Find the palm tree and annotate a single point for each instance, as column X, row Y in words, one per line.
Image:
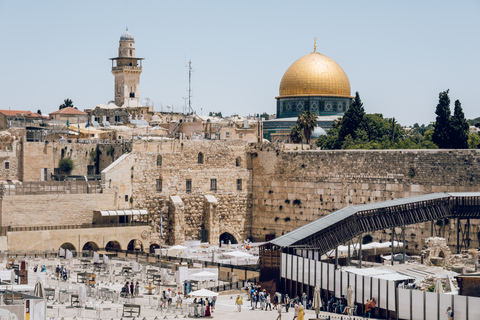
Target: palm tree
column 306, row 122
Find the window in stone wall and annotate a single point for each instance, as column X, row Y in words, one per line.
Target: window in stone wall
column 189, row 185
column 117, row 119
column 238, row 162
column 227, row 134
column 56, row 170
column 200, row 158
column 126, row 198
column 7, row 165
column 239, row 184
column 159, row 161
column 213, row 184
column 159, row 184
column 90, row 170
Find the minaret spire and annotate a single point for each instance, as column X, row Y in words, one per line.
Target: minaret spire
column 315, row 44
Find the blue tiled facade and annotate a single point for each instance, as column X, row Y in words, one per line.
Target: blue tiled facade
column 288, row 107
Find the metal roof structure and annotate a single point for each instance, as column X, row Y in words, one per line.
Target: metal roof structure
column 342, row 225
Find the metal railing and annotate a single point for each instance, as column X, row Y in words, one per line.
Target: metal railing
column 51, row 187
column 4, row 230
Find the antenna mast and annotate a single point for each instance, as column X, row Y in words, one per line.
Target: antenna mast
column 190, row 86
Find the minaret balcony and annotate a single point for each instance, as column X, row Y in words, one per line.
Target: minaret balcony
column 122, row 68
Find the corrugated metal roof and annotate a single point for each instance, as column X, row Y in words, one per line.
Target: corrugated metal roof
column 339, row 215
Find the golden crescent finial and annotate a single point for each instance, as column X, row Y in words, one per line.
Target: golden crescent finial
column 315, row 44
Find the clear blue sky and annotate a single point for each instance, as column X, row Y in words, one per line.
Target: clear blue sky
column 397, row 54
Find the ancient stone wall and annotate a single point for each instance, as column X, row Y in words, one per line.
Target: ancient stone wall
column 161, row 169
column 53, row 209
column 291, row 189
column 40, row 155
column 10, row 161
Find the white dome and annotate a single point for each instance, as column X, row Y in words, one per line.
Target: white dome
column 319, row 131
column 126, row 36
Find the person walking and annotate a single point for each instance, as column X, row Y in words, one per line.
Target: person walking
column 373, row 304
column 287, row 302
column 449, row 313
column 368, row 308
column 239, row 303
column 132, row 288
column 304, row 300
column 301, row 313
column 279, row 310
column 179, row 300
column 137, row 289
column 268, row 302
column 295, row 314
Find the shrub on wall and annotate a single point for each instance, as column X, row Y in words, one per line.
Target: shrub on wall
column 66, row 165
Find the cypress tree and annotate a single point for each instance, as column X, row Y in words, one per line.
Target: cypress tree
column 352, row 119
column 442, row 127
column 459, row 136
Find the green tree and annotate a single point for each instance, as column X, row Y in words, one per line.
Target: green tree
column 442, row 128
column 306, row 122
column 459, row 134
column 473, row 141
column 296, row 135
column 39, row 112
column 66, row 103
column 66, row 165
column 352, row 119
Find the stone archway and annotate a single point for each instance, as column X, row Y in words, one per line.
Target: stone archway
column 154, row 246
column 68, row 246
column 135, row 245
column 90, row 246
column 226, row 238
column 113, row 246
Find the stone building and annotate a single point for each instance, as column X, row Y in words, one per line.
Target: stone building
column 127, row 69
column 202, row 188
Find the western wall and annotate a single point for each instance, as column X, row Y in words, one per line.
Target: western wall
column 292, row 188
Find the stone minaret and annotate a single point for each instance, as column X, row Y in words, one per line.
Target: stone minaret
column 126, row 69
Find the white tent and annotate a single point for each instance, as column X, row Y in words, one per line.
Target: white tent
column 203, row 276
column 203, row 293
column 238, row 254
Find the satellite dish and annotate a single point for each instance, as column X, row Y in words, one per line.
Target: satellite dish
column 169, row 107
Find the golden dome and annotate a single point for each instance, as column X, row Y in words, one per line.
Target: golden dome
column 315, row 74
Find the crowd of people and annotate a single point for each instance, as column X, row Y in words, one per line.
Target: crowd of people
column 260, row 299
column 131, row 289
column 204, row 308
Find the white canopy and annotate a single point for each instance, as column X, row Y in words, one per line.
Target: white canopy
column 203, row 276
column 177, row 247
column 203, row 293
column 238, row 254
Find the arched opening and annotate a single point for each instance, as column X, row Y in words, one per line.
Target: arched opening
column 441, row 254
column 200, row 158
column 90, row 246
column 68, row 246
column 238, row 162
column 227, row 238
column 113, row 246
column 159, row 161
column 154, row 246
column 135, row 245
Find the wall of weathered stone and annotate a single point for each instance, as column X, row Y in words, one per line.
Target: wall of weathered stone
column 291, row 189
column 10, row 161
column 179, row 163
column 39, row 155
column 53, row 209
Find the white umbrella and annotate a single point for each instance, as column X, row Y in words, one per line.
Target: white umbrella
column 82, row 295
column 203, row 293
column 438, row 286
column 96, row 257
column 39, row 290
column 317, row 301
column 350, row 300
